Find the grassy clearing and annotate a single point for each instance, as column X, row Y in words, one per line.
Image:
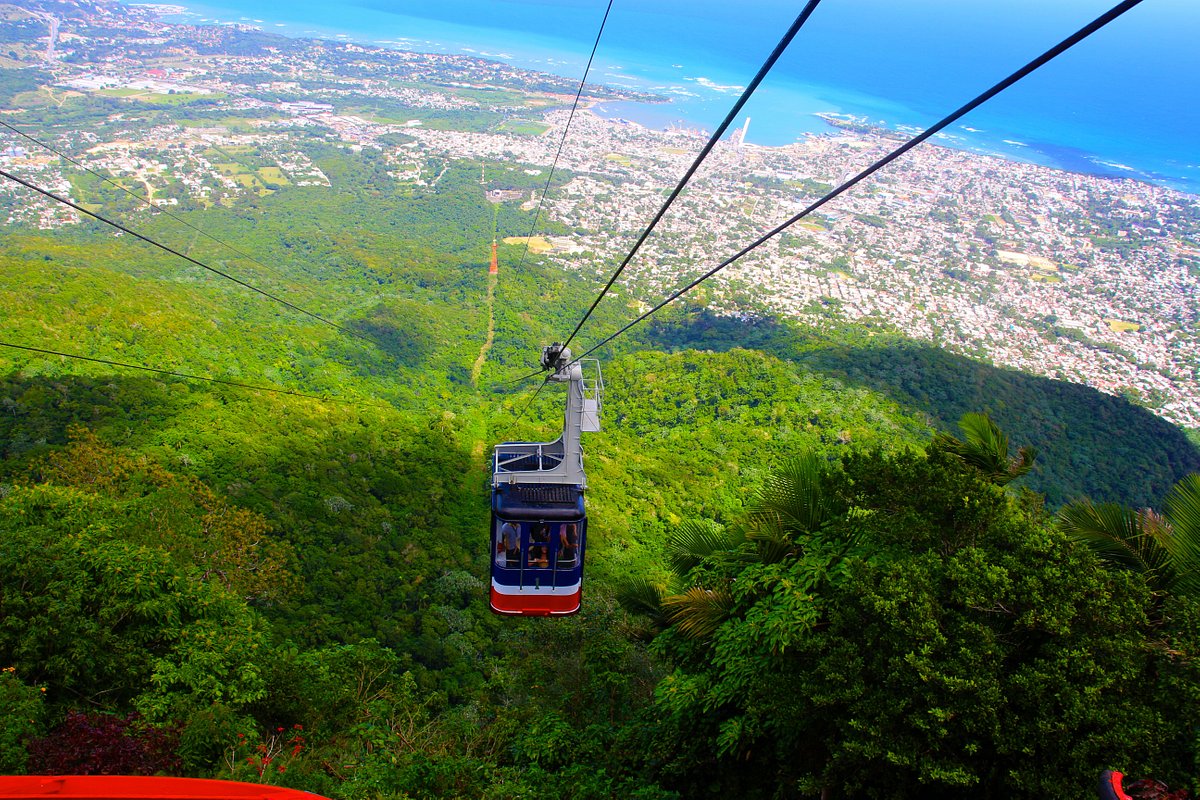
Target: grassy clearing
column 180, row 98
column 537, row 244
column 433, row 119
column 1122, row 326
column 272, row 176
column 617, row 158
column 506, row 97
column 523, row 127
column 234, row 124
column 44, row 97
column 161, row 99
column 1036, row 263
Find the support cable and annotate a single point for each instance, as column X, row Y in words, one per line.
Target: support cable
column 712, row 141
column 185, row 257
column 566, row 129
column 169, row 372
column 521, row 379
column 527, row 406
column 1049, row 55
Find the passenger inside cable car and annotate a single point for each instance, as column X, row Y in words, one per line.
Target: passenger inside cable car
column 536, row 545
column 508, row 545
column 568, row 544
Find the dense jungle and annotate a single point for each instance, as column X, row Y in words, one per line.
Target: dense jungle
column 814, row 568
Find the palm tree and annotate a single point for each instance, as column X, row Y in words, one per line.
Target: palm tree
column 1164, row 548
column 985, row 447
column 696, row 610
column 792, row 505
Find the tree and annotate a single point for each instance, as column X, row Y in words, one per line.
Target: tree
column 112, row 622
column 21, row 721
column 929, row 639
column 985, row 447
column 231, row 545
column 786, row 516
column 1163, row 548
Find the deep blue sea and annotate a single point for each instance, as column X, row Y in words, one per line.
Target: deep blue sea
column 1125, row 102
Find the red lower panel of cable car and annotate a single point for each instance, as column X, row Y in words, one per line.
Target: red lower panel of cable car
column 533, row 602
column 123, row 787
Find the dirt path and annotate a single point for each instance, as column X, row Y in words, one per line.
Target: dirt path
column 491, row 333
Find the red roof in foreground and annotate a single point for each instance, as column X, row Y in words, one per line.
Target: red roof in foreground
column 119, row 787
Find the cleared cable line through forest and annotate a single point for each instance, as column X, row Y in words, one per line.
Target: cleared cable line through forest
column 145, row 200
column 805, row 13
column 546, row 189
column 490, row 302
column 566, row 129
column 185, row 257
column 1044, row 58
column 774, row 56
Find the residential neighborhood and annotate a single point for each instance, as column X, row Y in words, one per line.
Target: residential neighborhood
column 1060, row 274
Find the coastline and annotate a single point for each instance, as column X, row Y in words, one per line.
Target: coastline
column 783, row 111
column 965, row 138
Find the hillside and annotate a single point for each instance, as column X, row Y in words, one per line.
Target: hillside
column 288, row 584
column 376, row 497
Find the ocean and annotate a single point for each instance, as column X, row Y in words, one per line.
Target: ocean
column 1124, row 103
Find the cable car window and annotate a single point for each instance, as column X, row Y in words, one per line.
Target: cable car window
column 539, row 556
column 508, row 545
column 568, row 545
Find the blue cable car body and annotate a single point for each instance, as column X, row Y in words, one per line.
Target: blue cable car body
column 539, row 525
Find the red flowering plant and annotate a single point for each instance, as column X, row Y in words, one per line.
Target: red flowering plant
column 93, row 743
column 265, row 760
column 1150, row 789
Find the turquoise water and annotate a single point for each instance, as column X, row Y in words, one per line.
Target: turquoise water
column 1125, row 102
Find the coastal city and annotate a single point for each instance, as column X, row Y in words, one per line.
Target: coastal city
column 1064, row 275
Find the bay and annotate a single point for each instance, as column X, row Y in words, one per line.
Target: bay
column 1124, row 103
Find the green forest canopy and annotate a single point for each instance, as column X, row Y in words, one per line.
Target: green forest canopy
column 214, row 565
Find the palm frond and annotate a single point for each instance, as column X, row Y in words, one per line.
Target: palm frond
column 985, row 447
column 693, row 541
column 1024, row 463
column 772, row 543
column 698, row 612
column 1180, row 534
column 1118, row 536
column 796, row 496
column 639, row 595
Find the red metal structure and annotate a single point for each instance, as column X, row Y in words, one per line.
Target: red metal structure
column 1111, row 787
column 122, row 787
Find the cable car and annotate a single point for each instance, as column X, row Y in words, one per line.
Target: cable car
column 539, row 527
